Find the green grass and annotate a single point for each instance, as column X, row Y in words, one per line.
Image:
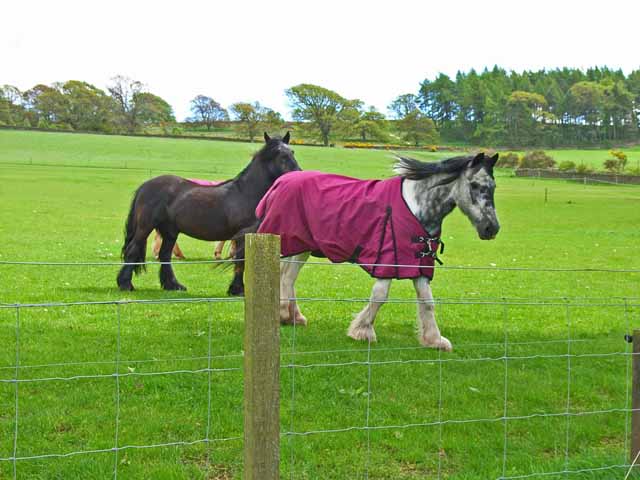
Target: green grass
column 76, row 214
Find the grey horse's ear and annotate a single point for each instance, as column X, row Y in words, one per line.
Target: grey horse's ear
column 493, row 160
column 477, row 159
column 286, row 138
column 266, row 137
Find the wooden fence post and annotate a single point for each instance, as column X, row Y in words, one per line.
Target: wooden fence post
column 262, row 358
column 635, row 397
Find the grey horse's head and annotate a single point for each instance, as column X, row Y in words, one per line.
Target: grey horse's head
column 473, row 193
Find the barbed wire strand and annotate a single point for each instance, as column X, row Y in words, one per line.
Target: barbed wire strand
column 627, row 318
column 368, row 405
column 459, row 347
column 505, row 314
column 354, row 363
column 474, row 302
column 117, row 388
column 588, row 269
column 16, row 376
column 208, row 431
column 292, row 409
column 440, row 451
column 568, row 409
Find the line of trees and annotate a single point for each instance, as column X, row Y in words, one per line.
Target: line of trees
column 76, row 105
column 495, row 107
column 556, row 107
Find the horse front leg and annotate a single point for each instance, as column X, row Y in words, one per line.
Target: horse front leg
column 428, row 331
column 361, row 327
column 290, row 313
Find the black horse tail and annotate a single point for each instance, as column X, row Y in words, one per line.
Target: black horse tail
column 130, row 253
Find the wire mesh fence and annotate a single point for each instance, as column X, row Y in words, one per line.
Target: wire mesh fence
column 85, row 380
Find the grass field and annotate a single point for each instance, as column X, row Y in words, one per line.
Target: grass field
column 64, row 198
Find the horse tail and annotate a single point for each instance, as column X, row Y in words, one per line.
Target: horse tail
column 129, row 251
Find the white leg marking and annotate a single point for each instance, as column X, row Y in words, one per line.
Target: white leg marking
column 428, row 332
column 289, row 310
column 361, row 327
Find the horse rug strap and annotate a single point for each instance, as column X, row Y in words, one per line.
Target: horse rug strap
column 346, row 219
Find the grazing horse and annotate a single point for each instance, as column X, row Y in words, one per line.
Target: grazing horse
column 175, row 205
column 392, row 228
column 177, row 252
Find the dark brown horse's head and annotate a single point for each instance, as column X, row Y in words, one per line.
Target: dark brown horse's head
column 277, row 156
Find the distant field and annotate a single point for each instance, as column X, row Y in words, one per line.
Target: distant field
column 54, row 208
column 177, row 154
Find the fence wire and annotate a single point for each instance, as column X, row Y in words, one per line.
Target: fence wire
column 293, row 361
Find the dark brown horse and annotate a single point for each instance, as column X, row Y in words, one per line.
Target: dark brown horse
column 174, row 205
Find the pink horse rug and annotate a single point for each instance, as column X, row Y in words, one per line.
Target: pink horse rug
column 205, row 183
column 345, row 219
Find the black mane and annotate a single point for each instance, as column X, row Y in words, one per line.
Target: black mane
column 269, row 148
column 416, row 170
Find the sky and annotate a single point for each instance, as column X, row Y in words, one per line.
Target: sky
column 237, row 50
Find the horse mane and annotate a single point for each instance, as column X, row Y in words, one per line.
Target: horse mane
column 416, row 170
column 268, row 148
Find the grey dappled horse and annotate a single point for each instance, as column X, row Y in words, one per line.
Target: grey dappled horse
column 431, row 191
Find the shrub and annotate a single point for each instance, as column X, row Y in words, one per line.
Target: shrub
column 177, row 131
column 508, row 160
column 582, row 168
column 617, row 163
column 567, row 166
column 634, row 171
column 536, row 159
column 358, row 145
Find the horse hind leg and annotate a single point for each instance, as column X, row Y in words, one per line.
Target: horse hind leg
column 290, row 313
column 361, row 327
column 134, row 252
column 168, row 279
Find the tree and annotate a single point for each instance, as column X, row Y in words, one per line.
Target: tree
column 123, row 90
column 371, row 124
column 438, row 99
column 418, row 128
column 318, row 106
column 250, row 116
column 136, row 107
column 207, row 111
column 85, row 107
column 153, row 110
column 523, row 114
column 272, row 120
column 44, row 102
column 403, row 105
column 11, row 108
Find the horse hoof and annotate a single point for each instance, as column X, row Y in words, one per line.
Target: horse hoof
column 441, row 343
column 175, row 286
column 126, row 287
column 362, row 333
column 299, row 320
column 235, row 291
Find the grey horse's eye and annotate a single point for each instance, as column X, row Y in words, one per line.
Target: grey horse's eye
column 475, row 185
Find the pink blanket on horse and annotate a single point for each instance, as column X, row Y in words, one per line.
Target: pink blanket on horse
column 205, row 183
column 346, row 219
